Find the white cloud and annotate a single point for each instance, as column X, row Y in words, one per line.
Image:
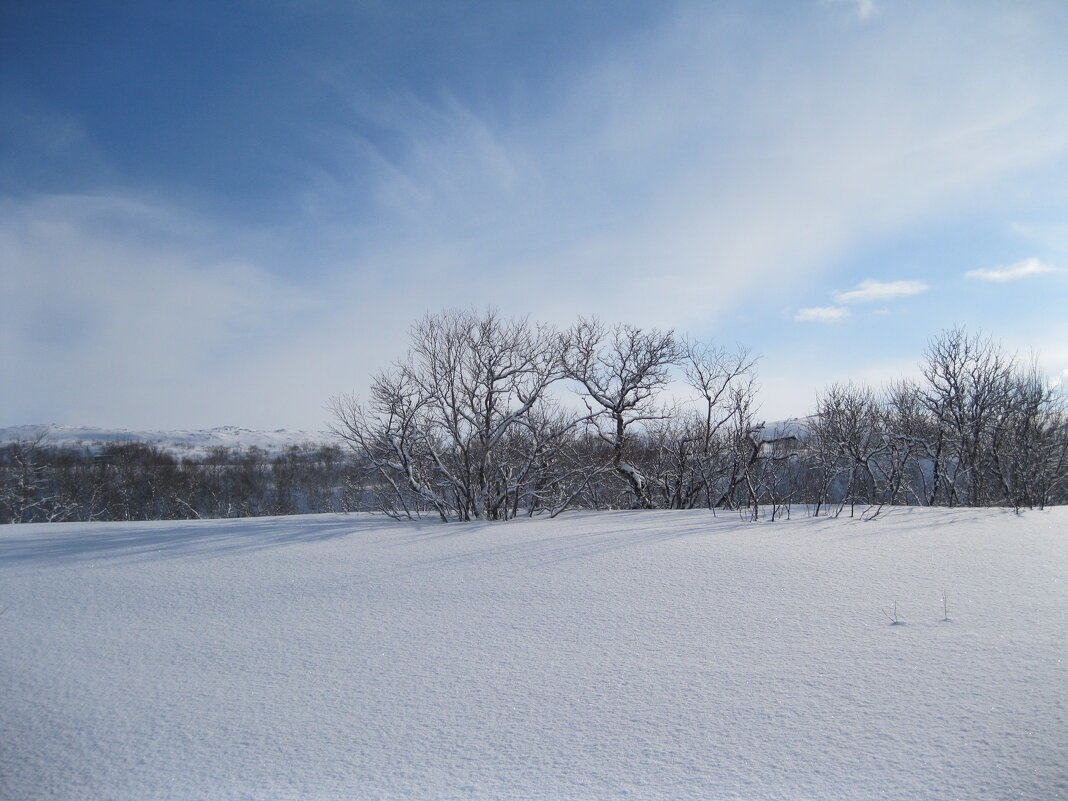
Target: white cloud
column 821, row 314
column 872, row 291
column 1014, row 272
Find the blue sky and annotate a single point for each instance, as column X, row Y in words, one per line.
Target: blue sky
column 225, row 213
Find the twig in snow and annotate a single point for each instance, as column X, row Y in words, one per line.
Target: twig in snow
column 892, row 616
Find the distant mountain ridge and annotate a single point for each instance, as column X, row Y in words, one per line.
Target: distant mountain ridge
column 192, row 442
column 182, row 441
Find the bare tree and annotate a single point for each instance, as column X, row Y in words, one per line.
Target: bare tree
column 393, row 432
column 436, row 426
column 555, row 460
column 481, row 375
column 912, row 436
column 1029, row 441
column 621, row 371
column 725, row 382
column 848, row 431
column 968, row 380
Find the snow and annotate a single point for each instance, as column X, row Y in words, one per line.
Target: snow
column 647, row 655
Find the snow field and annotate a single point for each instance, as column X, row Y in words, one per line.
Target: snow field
column 647, row 655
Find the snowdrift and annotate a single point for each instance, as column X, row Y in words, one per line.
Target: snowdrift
column 648, row 655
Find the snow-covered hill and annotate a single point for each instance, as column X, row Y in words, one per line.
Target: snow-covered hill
column 191, row 443
column 645, row 655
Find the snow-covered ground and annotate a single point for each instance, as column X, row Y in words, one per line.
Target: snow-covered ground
column 652, row 655
column 183, row 443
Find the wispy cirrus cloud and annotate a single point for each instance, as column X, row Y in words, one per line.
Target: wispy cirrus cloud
column 633, row 181
column 870, row 291
column 864, row 8
column 821, row 314
column 1014, row 272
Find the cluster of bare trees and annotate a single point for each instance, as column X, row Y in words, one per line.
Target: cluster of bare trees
column 978, row 429
column 135, row 481
column 487, row 418
column 473, row 423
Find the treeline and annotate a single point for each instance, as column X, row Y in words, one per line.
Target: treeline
column 490, row 418
column 136, row 481
column 978, row 429
column 487, row 418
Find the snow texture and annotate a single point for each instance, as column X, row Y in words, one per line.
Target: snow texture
column 644, row 655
